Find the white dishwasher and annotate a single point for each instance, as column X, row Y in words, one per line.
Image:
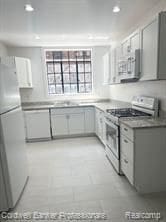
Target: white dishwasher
column 37, row 124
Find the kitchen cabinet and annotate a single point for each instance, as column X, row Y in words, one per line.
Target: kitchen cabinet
column 135, row 41
column 143, row 157
column 131, row 43
column 67, row 121
column 100, row 132
column 113, row 68
column 37, row 124
column 59, row 124
column 76, row 123
column 89, row 119
column 106, row 68
column 24, row 73
column 128, row 58
column 154, row 49
column 120, row 58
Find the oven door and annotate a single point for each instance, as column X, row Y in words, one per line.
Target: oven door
column 112, row 137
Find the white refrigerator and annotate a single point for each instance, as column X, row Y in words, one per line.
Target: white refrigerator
column 13, row 159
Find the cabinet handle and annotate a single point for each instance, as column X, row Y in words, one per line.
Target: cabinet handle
column 125, row 141
column 126, row 161
column 125, row 129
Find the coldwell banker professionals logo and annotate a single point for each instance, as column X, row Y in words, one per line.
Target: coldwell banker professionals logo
column 60, row 216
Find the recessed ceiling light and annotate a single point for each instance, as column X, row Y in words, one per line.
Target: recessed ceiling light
column 28, row 8
column 116, row 9
column 37, row 37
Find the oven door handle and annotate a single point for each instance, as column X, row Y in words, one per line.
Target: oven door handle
column 111, row 124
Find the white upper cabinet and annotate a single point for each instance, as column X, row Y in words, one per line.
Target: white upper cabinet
column 123, row 59
column 149, row 51
column 24, row 73
column 130, row 44
column 154, row 49
column 113, row 66
column 106, row 68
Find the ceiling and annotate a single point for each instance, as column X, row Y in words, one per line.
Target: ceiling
column 68, row 22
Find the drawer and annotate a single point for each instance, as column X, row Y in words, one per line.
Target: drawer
column 127, row 147
column 126, row 131
column 66, row 110
column 127, row 168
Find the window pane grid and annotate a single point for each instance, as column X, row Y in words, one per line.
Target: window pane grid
column 69, row 71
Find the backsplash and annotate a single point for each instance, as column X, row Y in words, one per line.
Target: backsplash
column 125, row 92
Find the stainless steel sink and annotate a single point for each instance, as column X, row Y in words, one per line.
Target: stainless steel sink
column 65, row 103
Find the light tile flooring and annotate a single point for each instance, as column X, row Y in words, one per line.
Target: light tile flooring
column 73, row 175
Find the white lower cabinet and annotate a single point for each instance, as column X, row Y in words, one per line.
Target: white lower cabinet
column 64, row 122
column 67, row 121
column 37, row 124
column 100, row 130
column 59, row 124
column 143, row 157
column 89, row 119
column 76, row 123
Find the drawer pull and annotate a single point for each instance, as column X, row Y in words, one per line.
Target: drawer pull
column 126, row 161
column 125, row 129
column 125, row 141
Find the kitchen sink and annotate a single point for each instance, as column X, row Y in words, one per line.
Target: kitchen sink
column 65, row 103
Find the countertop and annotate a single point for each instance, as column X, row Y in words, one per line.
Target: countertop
column 102, row 105
column 144, row 122
column 140, row 122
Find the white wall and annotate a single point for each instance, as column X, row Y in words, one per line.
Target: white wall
column 126, row 91
column 3, row 50
column 38, row 93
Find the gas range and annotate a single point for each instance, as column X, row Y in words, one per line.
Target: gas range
column 142, row 107
column 115, row 114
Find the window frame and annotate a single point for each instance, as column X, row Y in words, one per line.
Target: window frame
column 46, row 74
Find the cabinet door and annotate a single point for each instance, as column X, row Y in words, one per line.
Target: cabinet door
column 99, row 124
column 106, row 67
column 149, row 51
column 118, row 59
column 29, row 72
column 24, row 74
column 89, row 120
column 21, row 69
column 113, row 66
column 76, row 123
column 37, row 124
column 135, row 41
column 59, row 123
column 126, row 47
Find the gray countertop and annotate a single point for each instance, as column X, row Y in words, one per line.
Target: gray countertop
column 102, row 105
column 144, row 122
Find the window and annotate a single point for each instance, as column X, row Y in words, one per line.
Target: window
column 69, row 71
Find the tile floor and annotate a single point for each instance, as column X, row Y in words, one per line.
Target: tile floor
column 73, row 175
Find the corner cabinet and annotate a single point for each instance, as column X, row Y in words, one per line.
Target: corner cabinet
column 24, row 72
column 154, row 49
